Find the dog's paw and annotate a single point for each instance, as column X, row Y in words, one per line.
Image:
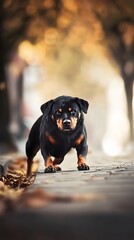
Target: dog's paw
column 83, row 166
column 57, row 168
column 50, row 169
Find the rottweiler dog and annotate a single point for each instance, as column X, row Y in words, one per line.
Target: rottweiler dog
column 60, row 128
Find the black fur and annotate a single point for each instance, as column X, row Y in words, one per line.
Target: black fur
column 60, row 128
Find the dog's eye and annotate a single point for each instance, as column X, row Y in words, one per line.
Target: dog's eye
column 58, row 113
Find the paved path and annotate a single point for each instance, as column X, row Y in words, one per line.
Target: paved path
column 108, row 186
column 94, row 204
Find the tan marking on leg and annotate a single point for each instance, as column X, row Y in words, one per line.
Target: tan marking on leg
column 81, row 160
column 79, row 140
column 49, row 162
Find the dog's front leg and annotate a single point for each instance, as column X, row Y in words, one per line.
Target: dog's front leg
column 82, row 150
column 47, row 160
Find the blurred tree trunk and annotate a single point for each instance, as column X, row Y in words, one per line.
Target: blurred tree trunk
column 129, row 96
column 6, row 142
column 128, row 77
column 126, row 63
column 4, row 105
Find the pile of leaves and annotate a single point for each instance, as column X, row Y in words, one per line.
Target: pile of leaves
column 14, row 182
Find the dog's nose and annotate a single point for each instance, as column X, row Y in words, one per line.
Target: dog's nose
column 66, row 121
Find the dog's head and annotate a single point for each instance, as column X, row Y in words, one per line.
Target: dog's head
column 65, row 111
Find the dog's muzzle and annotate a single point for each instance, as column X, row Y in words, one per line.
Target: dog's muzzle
column 66, row 124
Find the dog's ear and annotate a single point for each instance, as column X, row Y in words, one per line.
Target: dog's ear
column 83, row 104
column 46, row 107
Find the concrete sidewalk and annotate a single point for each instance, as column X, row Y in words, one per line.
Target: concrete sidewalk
column 94, row 204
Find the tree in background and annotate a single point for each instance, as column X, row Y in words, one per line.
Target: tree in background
column 117, row 20
column 11, row 29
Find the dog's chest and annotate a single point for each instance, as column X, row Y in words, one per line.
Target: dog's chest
column 58, row 146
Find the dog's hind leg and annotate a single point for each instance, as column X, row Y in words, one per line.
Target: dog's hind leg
column 30, row 152
column 33, row 144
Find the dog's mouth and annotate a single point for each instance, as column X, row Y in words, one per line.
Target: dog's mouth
column 66, row 129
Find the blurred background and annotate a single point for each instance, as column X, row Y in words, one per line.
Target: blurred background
column 68, row 47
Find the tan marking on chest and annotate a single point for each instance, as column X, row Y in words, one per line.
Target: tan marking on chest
column 51, row 139
column 79, row 140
